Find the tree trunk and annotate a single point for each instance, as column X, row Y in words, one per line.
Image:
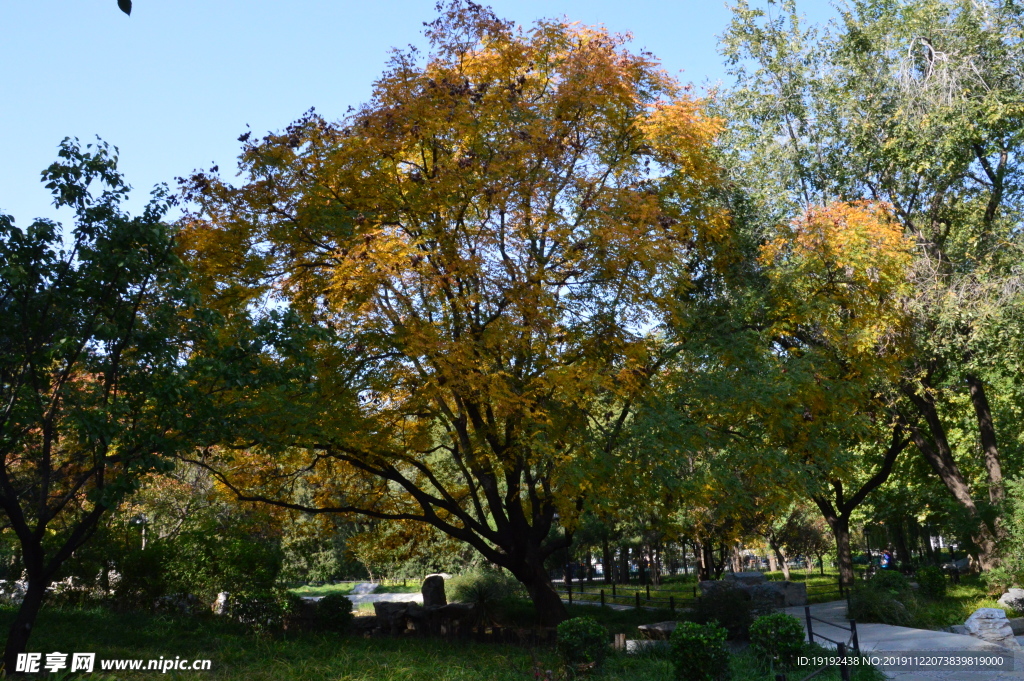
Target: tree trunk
column 780, row 556
column 773, row 561
column 841, row 531
column 547, row 603
column 21, row 628
column 937, row 452
column 624, row 575
column 987, row 431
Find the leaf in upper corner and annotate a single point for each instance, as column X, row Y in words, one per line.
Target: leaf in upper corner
column 125, row 6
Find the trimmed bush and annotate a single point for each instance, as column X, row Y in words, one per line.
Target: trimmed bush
column 728, row 606
column 777, row 638
column 890, row 580
column 878, row 604
column 262, row 610
column 698, row 652
column 334, row 612
column 932, row 581
column 582, row 642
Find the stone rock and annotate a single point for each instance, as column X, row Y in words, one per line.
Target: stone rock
column 961, row 564
column 765, row 594
column 364, row 626
column 364, row 588
column 1013, row 598
column 1017, row 624
column 991, row 625
column 746, row 578
column 220, row 606
column 645, row 646
column 658, row 631
column 958, row 629
column 433, row 591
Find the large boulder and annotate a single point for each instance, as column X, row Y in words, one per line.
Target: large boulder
column 433, row 591
column 991, row 625
column 746, row 578
column 221, row 605
column 1013, row 598
column 657, row 631
column 775, row 594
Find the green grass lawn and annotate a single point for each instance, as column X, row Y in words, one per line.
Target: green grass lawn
column 239, row 656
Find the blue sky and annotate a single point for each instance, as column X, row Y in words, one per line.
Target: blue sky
column 176, row 83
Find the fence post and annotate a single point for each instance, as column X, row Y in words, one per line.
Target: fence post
column 672, row 604
column 637, row 600
column 602, row 598
column 856, row 642
column 844, row 669
column 810, row 631
column 613, row 589
column 568, row 590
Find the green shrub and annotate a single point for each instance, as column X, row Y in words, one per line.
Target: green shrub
column 932, row 581
column 698, row 652
column 491, row 591
column 889, row 580
column 582, row 642
column 728, row 606
column 334, row 612
column 777, row 638
column 262, row 610
column 879, row 604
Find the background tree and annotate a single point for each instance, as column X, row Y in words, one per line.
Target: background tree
column 489, row 241
column 917, row 104
column 93, row 384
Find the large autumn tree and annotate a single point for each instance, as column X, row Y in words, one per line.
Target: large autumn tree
column 489, row 245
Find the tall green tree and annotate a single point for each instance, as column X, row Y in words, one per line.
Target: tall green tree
column 91, row 342
column 917, row 104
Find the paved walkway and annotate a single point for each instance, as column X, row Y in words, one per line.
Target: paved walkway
column 363, row 593
column 876, row 639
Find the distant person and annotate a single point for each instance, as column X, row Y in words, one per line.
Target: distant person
column 888, row 562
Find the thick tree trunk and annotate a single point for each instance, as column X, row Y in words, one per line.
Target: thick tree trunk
column 21, row 628
column 624, row 574
column 547, row 603
column 844, row 556
column 937, row 452
column 987, row 431
column 773, row 561
column 780, row 556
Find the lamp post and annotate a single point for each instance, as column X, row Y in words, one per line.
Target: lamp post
column 141, row 520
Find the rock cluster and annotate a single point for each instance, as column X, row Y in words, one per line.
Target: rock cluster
column 759, row 589
column 991, row 625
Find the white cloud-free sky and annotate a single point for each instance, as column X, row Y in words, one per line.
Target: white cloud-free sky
column 176, row 83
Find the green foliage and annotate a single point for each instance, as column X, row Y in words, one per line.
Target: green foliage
column 260, row 610
column 491, row 591
column 698, row 652
column 883, row 601
column 891, row 581
column 231, row 559
column 777, row 638
column 334, row 612
column 728, row 606
column 582, row 642
column 932, row 581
